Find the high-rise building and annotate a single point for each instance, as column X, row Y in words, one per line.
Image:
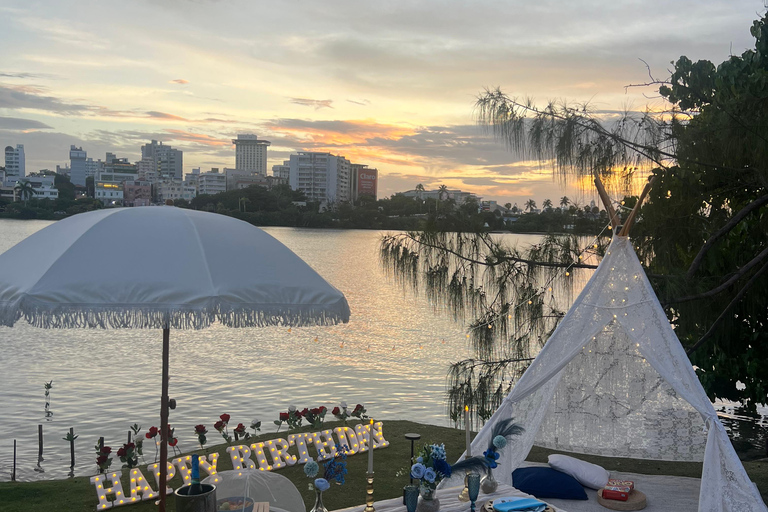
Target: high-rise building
column 15, row 166
column 77, row 166
column 251, row 153
column 167, row 161
column 321, row 176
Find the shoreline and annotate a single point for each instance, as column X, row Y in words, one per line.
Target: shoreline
column 77, row 494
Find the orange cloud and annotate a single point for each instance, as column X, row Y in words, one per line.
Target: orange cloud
column 178, row 81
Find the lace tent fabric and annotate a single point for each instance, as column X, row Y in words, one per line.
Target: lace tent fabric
column 613, row 380
column 259, row 486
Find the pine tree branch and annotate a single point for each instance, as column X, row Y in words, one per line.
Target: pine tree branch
column 757, row 203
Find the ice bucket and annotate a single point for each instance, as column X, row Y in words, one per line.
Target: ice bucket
column 204, row 502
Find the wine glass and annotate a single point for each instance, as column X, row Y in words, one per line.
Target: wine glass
column 473, row 486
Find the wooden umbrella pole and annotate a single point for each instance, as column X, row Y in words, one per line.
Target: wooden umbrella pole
column 164, row 420
column 612, row 216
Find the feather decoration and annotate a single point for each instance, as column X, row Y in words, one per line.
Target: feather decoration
column 505, row 428
column 476, row 464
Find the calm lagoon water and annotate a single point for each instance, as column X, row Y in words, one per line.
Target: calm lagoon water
column 392, row 356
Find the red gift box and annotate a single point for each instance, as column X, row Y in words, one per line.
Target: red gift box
column 614, row 482
column 610, row 494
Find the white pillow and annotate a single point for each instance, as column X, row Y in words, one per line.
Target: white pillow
column 588, row 474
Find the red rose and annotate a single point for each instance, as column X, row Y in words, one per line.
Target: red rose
column 240, row 428
column 153, row 431
column 304, row 412
column 336, row 411
column 130, row 445
column 101, row 460
column 323, row 409
column 224, row 418
column 106, row 450
column 173, row 442
column 148, row 435
column 200, row 429
column 358, row 407
column 219, row 425
column 283, row 416
column 315, row 411
column 121, row 452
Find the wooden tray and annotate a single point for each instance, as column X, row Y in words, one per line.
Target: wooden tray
column 636, row 501
column 488, row 507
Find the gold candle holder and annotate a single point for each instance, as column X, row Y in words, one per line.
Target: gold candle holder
column 369, row 494
column 464, row 494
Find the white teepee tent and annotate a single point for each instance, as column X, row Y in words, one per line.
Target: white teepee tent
column 614, row 380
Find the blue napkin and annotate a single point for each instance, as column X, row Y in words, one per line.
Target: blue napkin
column 517, row 504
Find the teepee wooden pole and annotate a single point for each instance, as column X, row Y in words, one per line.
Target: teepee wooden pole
column 631, row 219
column 607, row 202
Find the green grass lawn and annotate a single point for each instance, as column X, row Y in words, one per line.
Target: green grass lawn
column 77, row 494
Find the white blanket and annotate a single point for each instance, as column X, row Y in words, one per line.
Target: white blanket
column 663, row 493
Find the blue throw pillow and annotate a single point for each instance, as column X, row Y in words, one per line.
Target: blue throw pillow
column 548, row 483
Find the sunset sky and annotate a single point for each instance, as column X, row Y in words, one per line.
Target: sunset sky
column 389, row 84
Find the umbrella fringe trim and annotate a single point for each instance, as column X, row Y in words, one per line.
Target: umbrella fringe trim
column 132, row 317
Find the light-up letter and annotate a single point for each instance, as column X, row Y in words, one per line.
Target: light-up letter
column 239, row 454
column 301, row 441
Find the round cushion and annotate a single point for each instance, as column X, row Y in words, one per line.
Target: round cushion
column 636, row 501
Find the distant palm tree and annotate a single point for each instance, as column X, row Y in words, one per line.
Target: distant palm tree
column 530, row 205
column 442, row 192
column 420, row 188
column 508, row 206
column 564, row 201
column 25, row 190
column 244, row 202
column 547, row 204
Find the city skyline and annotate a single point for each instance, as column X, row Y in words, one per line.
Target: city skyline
column 391, row 86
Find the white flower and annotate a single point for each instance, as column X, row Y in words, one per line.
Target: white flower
column 343, row 405
column 291, row 408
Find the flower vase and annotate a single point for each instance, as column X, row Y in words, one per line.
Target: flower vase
column 319, row 507
column 428, row 501
column 489, row 484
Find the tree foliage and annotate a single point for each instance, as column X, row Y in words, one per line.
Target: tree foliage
column 702, row 235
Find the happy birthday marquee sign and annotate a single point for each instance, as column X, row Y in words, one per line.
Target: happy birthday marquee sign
column 356, row 440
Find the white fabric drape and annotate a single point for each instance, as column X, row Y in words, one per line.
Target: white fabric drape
column 614, row 380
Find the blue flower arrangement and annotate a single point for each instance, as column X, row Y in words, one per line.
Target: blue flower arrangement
column 334, row 469
column 431, row 466
column 501, row 432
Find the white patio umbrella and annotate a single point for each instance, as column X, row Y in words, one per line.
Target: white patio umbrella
column 163, row 268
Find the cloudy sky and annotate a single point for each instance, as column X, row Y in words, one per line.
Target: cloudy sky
column 390, row 84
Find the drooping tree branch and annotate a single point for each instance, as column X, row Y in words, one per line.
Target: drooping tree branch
column 739, row 296
column 757, row 203
column 729, row 282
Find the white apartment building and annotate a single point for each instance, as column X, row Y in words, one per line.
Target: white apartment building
column 321, row 176
column 147, row 170
column 174, row 190
column 15, row 163
column 212, row 182
column 93, row 167
column 167, row 161
column 282, row 171
column 42, row 183
column 111, row 194
column 251, row 153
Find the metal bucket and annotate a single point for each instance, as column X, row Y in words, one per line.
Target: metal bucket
column 205, row 502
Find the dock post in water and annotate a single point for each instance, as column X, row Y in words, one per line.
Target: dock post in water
column 13, row 474
column 40, row 442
